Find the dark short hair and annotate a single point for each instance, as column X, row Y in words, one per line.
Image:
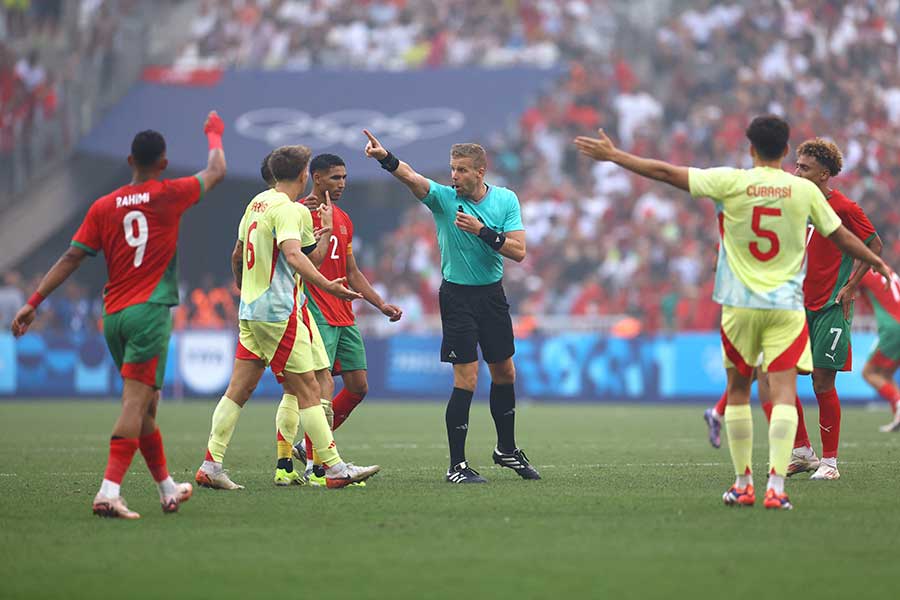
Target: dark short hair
column 288, row 162
column 826, row 153
column 324, row 162
column 265, row 171
column 147, row 148
column 769, row 134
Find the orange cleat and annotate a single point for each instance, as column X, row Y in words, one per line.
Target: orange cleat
column 777, row 501
column 739, row 497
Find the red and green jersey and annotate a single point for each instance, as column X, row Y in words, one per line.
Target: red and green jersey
column 886, row 302
column 338, row 312
column 136, row 228
column 828, row 269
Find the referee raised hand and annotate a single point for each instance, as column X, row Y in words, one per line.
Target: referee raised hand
column 477, row 226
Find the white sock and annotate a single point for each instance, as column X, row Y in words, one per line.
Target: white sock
column 743, row 481
column 804, row 451
column 309, row 463
column 831, row 462
column 211, row 466
column 110, row 489
column 338, row 470
column 776, row 482
column 716, row 415
column 166, row 487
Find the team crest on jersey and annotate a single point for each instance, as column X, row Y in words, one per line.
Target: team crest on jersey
column 344, row 229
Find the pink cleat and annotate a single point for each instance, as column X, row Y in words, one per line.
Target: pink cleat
column 114, row 508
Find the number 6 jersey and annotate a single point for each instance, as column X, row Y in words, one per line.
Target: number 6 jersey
column 763, row 213
column 136, row 228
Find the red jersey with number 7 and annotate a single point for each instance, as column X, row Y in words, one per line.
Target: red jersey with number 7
column 828, row 269
column 136, row 228
column 338, row 312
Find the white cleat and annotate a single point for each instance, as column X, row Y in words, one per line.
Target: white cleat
column 893, row 426
column 217, row 480
column 826, row 472
column 802, row 462
column 183, row 493
column 113, row 507
column 351, row 474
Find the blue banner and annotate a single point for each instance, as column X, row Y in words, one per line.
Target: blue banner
column 416, row 114
column 569, row 367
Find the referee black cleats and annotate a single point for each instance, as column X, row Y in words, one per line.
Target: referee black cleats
column 518, row 462
column 463, row 473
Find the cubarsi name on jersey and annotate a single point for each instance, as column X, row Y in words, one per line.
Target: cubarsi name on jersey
column 132, row 199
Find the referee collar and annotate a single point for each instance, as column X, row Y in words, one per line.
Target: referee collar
column 487, row 193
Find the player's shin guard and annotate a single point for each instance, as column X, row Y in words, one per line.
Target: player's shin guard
column 152, row 449
column 287, row 421
column 343, row 404
column 739, row 425
column 224, row 420
column 316, row 426
column 829, row 422
column 801, row 440
column 781, row 436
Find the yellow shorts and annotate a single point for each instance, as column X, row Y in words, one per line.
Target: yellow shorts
column 781, row 336
column 294, row 345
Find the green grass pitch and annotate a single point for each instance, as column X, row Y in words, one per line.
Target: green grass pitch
column 629, row 508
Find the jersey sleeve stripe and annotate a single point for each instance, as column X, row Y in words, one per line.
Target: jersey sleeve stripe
column 869, row 239
column 202, row 187
column 84, row 247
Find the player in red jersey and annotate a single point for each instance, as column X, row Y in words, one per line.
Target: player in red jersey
column 882, row 364
column 136, row 228
column 334, row 317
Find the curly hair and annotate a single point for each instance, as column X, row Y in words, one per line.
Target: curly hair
column 827, row 153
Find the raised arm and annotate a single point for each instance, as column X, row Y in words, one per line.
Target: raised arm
column 601, row 148
column 360, row 283
column 844, row 239
column 67, row 264
column 323, row 233
column 416, row 183
column 293, row 254
column 215, row 161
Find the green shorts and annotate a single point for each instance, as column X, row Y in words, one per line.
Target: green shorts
column 138, row 339
column 829, row 335
column 344, row 344
column 887, row 352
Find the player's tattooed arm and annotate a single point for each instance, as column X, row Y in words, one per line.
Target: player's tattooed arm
column 416, row 183
column 601, row 148
column 360, row 283
column 67, row 264
column 237, row 262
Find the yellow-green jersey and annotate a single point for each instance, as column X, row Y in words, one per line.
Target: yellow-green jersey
column 268, row 286
column 763, row 214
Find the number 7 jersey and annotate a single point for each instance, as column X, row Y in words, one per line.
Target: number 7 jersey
column 136, row 228
column 763, row 214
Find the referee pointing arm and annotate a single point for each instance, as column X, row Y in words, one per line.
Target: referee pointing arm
column 477, row 225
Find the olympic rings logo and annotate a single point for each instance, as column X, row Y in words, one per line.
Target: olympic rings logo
column 281, row 126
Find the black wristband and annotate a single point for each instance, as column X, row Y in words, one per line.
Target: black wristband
column 492, row 238
column 390, row 163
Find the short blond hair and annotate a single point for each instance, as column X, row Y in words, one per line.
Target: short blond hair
column 827, row 153
column 288, row 162
column 473, row 151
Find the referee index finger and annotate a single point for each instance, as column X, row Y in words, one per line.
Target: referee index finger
column 371, row 137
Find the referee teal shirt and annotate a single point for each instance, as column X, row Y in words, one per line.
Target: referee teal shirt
column 465, row 259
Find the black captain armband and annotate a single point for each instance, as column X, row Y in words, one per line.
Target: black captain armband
column 492, row 238
column 307, row 250
column 389, row 163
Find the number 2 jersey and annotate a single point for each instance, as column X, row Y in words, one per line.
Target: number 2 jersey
column 136, row 228
column 763, row 214
column 337, row 311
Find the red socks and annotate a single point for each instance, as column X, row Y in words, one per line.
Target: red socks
column 767, row 409
column 344, row 403
column 723, row 401
column 890, row 393
column 155, row 456
column 121, row 451
column 829, row 422
column 801, row 440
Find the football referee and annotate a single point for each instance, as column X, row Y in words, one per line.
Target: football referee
column 477, row 225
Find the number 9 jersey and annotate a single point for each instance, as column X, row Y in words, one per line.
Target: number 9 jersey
column 136, row 228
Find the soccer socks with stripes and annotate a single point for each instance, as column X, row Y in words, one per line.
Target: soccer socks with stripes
column 890, row 393
column 287, row 421
column 829, row 422
column 316, row 426
column 457, row 420
column 739, row 426
column 801, row 440
column 155, row 456
column 343, row 404
column 121, row 451
column 782, row 428
column 503, row 410
column 224, row 420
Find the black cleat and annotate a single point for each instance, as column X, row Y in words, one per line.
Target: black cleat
column 518, row 462
column 463, row 473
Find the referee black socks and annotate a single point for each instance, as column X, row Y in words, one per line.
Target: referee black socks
column 503, row 409
column 457, row 418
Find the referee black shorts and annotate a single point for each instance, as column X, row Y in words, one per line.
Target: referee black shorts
column 471, row 316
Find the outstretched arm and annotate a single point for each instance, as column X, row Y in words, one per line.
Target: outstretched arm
column 293, row 254
column 601, row 148
column 416, row 183
column 215, row 161
column 844, row 239
column 360, row 283
column 67, row 264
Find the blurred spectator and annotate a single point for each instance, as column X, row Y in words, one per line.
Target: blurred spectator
column 11, row 297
